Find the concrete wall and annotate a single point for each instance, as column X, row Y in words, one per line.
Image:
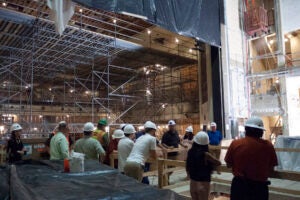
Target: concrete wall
column 234, row 85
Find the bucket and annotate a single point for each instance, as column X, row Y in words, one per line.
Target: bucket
column 77, row 162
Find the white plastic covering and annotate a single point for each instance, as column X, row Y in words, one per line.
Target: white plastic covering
column 288, row 160
column 61, row 13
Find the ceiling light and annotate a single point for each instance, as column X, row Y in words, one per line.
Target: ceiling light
column 190, row 50
column 157, row 65
column 50, row 89
column 87, row 92
column 114, row 21
column 148, row 92
column 147, row 72
column 176, row 40
column 149, row 32
column 40, row 116
column 71, row 90
column 163, row 106
column 4, row 4
column 68, row 116
column 80, row 10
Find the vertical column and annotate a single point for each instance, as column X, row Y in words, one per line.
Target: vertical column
column 281, row 64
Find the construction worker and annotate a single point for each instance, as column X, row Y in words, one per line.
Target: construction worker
column 125, row 146
column 122, row 126
column 215, row 138
column 100, row 134
column 199, row 166
column 15, row 148
column 170, row 139
column 143, row 148
column 252, row 159
column 113, row 145
column 88, row 145
column 59, row 145
column 188, row 133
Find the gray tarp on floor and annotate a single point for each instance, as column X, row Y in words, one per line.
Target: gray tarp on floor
column 4, row 187
column 193, row 18
column 44, row 180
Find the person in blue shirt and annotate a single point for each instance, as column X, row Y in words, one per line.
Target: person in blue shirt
column 215, row 138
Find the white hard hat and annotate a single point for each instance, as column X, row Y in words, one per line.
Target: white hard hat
column 122, row 126
column 201, row 138
column 150, row 124
column 15, row 127
column 118, row 133
column 213, row 124
column 88, row 127
column 62, row 124
column 129, row 129
column 189, row 129
column 171, row 123
column 255, row 122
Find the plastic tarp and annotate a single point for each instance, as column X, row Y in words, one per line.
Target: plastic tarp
column 4, row 183
column 193, row 18
column 39, row 180
column 288, row 160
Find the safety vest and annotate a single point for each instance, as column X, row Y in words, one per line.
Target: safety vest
column 98, row 135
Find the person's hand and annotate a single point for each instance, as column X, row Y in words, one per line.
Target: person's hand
column 21, row 152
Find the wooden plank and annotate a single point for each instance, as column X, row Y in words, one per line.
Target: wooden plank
column 177, row 163
column 160, row 167
column 150, row 173
column 287, row 175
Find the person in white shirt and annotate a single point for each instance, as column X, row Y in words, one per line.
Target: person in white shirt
column 143, row 148
column 125, row 146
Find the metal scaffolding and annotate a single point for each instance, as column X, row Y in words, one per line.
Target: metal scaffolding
column 46, row 77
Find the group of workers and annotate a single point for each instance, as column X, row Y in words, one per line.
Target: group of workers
column 251, row 158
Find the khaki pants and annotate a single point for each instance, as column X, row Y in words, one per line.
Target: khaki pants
column 215, row 152
column 199, row 190
column 134, row 170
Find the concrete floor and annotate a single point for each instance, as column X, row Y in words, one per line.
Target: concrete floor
column 275, row 188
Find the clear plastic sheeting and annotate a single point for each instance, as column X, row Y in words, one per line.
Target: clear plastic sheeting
column 37, row 180
column 194, row 18
column 288, row 160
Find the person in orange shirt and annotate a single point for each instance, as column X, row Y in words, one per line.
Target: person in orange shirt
column 252, row 159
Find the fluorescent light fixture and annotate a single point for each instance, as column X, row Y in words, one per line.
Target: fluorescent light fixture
column 114, row 21
column 176, row 40
column 80, row 10
column 134, row 15
column 190, row 50
column 4, row 4
column 149, row 31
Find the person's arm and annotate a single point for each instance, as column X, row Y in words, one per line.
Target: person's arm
column 106, row 140
column 153, row 149
column 188, row 164
column 274, row 160
column 212, row 160
column 228, row 157
column 64, row 147
column 99, row 149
